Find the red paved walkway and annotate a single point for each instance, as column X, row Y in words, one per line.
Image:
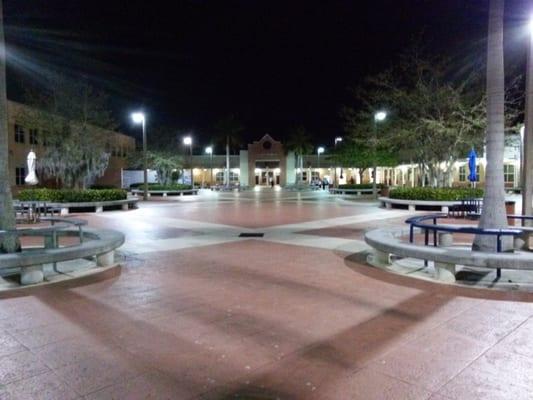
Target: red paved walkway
column 261, row 320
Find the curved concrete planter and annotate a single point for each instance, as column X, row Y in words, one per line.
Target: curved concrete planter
column 412, row 205
column 97, row 243
column 386, row 242
column 96, row 206
column 165, row 193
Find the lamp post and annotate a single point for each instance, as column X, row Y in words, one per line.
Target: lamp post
column 379, row 116
column 337, row 140
column 187, row 141
column 209, row 150
column 139, row 118
column 319, row 151
column 527, row 145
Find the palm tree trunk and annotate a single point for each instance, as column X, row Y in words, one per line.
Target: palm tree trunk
column 493, row 213
column 8, row 243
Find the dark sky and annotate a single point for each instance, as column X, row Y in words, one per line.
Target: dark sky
column 274, row 64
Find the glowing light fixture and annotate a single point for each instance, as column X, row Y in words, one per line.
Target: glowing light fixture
column 137, row 117
column 380, row 116
column 320, row 150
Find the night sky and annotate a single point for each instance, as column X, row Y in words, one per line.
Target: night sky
column 273, row 64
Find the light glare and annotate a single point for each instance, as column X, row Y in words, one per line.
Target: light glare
column 380, row 116
column 137, row 117
column 187, row 140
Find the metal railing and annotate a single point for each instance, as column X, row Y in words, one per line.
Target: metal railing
column 421, row 223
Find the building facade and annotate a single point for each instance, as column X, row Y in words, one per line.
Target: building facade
column 267, row 160
column 23, row 139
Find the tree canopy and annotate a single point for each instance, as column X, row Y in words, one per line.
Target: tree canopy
column 74, row 122
column 434, row 117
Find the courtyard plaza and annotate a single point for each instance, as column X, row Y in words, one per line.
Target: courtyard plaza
column 203, row 309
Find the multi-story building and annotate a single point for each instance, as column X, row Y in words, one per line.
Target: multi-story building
column 24, row 138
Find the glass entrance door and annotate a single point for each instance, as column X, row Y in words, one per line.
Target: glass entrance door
column 266, row 177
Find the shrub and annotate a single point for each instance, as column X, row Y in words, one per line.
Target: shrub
column 438, row 194
column 158, row 186
column 71, row 196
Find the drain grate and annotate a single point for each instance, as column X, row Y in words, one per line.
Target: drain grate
column 251, row 234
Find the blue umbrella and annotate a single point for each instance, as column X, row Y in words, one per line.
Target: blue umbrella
column 472, row 177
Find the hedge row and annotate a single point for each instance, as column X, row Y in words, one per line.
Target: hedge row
column 71, row 196
column 157, row 186
column 438, row 194
column 360, row 186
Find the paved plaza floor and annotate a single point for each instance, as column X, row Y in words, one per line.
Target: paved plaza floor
column 200, row 312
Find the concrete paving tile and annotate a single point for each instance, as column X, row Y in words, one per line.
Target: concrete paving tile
column 432, row 360
column 97, row 372
column 367, row 384
column 147, row 386
column 45, row 386
column 20, row 366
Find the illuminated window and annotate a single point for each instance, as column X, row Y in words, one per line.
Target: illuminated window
column 462, row 174
column 233, row 177
column 508, row 173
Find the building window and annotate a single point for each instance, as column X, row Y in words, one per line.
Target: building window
column 304, row 175
column 19, row 134
column 315, row 175
column 462, row 174
column 33, row 136
column 508, row 173
column 20, row 175
column 233, row 177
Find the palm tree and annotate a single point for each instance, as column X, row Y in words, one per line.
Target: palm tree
column 493, row 214
column 8, row 243
column 229, row 129
column 300, row 143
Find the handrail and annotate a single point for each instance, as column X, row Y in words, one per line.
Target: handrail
column 416, row 222
column 51, row 230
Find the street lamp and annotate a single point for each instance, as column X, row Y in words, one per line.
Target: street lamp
column 209, row 150
column 337, row 140
column 319, row 151
column 379, row 116
column 187, row 141
column 139, row 118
